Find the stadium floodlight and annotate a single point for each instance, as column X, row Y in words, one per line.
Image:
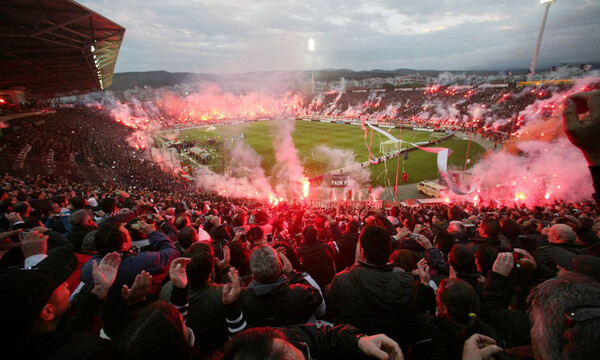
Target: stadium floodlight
column 539, row 40
column 312, row 49
column 311, row 45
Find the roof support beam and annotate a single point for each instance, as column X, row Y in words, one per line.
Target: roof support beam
column 59, row 42
column 60, row 25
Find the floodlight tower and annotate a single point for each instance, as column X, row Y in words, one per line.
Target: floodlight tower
column 539, row 40
column 311, row 49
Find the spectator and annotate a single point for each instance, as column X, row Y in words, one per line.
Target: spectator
column 565, row 316
column 277, row 296
column 206, row 314
column 186, row 238
column 317, row 258
column 347, row 247
column 489, row 234
column 305, row 342
column 371, row 296
column 443, row 336
column 33, row 303
column 559, row 236
column 113, row 237
column 81, row 225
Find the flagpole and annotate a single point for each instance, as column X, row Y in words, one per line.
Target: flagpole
column 398, row 164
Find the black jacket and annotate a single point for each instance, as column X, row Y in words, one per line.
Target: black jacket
column 77, row 234
column 220, row 237
column 60, row 345
column 347, row 246
column 318, row 260
column 497, row 294
column 73, row 339
column 375, row 300
column 339, row 342
column 590, row 239
column 501, row 245
column 542, row 253
column 439, row 338
column 283, row 303
column 206, row 316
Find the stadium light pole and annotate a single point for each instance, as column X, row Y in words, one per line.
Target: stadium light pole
column 539, row 40
column 311, row 49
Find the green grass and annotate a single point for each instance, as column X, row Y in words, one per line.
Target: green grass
column 420, row 165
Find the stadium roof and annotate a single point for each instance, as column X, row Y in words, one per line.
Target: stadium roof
column 56, row 47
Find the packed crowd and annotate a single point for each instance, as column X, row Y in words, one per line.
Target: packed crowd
column 87, row 140
column 83, row 137
column 125, row 272
column 439, row 106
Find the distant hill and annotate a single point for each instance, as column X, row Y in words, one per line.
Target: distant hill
column 156, row 79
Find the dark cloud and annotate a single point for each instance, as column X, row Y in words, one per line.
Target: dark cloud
column 240, row 36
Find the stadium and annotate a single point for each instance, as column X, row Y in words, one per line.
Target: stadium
column 290, row 213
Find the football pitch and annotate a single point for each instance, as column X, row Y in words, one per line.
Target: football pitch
column 420, row 165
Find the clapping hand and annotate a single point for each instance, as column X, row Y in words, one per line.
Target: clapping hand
column 223, row 263
column 504, row 264
column 233, row 289
column 423, row 269
column 104, row 275
column 177, row 272
column 139, row 289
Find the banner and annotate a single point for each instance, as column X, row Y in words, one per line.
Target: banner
column 338, row 181
column 442, row 156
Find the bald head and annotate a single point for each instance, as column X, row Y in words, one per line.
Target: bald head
column 561, row 234
column 456, row 228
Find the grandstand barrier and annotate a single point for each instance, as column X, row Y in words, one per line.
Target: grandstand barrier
column 348, row 204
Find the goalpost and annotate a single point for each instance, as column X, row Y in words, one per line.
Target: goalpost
column 388, row 147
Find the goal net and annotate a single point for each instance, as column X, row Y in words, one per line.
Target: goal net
column 388, row 147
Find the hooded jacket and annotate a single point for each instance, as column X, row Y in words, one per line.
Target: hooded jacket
column 375, row 300
column 347, row 245
column 318, row 260
column 279, row 303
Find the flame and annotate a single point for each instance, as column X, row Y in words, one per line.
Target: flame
column 305, row 187
column 273, row 200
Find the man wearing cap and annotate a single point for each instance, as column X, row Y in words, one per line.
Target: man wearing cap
column 559, row 236
column 34, row 300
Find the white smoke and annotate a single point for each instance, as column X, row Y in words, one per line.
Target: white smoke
column 288, row 171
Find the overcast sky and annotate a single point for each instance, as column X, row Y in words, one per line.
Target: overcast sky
column 231, row 36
